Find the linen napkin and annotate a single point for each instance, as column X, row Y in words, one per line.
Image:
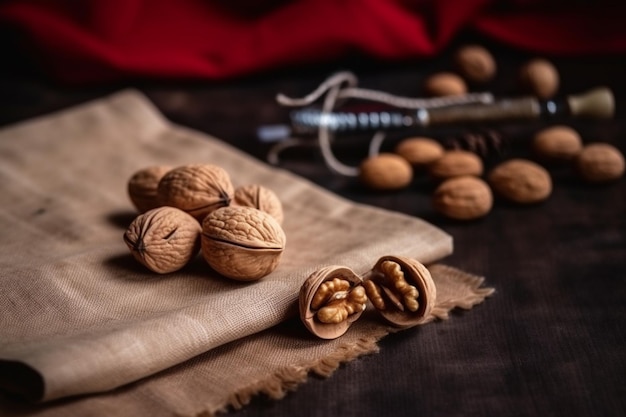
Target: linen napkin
column 80, row 316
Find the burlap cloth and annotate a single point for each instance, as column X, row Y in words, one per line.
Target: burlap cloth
column 79, row 316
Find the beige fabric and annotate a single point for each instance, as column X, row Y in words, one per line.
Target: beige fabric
column 83, row 317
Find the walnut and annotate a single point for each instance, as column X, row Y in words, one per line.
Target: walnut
column 557, row 143
column 197, row 189
column 539, row 77
column 420, row 152
column 163, row 239
column 142, row 187
column 261, row 198
column 242, row 243
column 445, row 84
column 455, row 163
column 402, row 290
column 330, row 300
column 521, row 181
column 386, row 171
column 463, row 198
column 475, row 63
column 600, row 162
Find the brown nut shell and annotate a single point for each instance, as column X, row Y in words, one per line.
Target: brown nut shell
column 142, row 187
column 420, row 152
column 521, row 181
column 445, row 84
column 386, row 171
column 540, row 77
column 463, row 198
column 260, row 197
column 415, row 275
column 242, row 243
column 557, row 143
column 197, row 189
column 475, row 63
column 163, row 239
column 308, row 315
column 456, row 163
column 599, row 163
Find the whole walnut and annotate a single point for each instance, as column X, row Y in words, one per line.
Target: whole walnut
column 521, row 181
column 386, row 171
column 163, row 239
column 142, row 187
column 242, row 243
column 475, row 63
column 557, row 143
column 600, row 162
column 197, row 189
column 463, row 198
column 419, row 152
column 445, row 84
column 260, row 197
column 540, row 77
column 456, row 163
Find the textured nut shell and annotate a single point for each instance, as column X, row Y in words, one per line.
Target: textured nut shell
column 557, row 143
column 163, row 239
column 600, row 162
column 521, row 181
column 463, row 198
column 386, row 171
column 197, row 189
column 445, row 84
column 475, row 63
column 142, row 187
column 242, row 243
column 307, row 292
column 420, row 152
column 540, row 78
column 419, row 276
column 260, row 197
column 456, row 163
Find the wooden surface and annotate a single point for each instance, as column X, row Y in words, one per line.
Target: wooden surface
column 551, row 341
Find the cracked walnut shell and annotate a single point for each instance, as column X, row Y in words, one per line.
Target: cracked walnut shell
column 242, row 243
column 330, row 300
column 197, row 189
column 163, row 239
column 402, row 290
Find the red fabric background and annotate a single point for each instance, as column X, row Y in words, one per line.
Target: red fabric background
column 105, row 40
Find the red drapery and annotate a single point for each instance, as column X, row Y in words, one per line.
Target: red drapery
column 105, row 40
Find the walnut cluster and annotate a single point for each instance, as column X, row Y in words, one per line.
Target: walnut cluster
column 400, row 289
column 196, row 208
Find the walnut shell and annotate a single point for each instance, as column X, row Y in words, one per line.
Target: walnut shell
column 600, row 162
column 386, row 171
column 308, row 292
column 475, row 63
column 163, row 239
column 242, row 243
column 445, row 84
column 420, row 152
column 557, row 143
column 142, row 187
column 397, row 302
column 463, row 198
column 539, row 77
column 521, row 181
column 197, row 189
column 260, row 197
column 456, row 163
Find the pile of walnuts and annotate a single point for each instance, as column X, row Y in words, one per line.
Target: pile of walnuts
column 464, row 190
column 195, row 208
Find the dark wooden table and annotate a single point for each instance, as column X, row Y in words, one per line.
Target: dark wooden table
column 551, row 341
